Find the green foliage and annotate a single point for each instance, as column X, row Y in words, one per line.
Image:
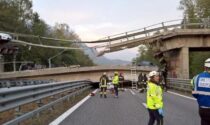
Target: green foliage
column 18, row 16
column 196, row 9
column 197, row 60
column 146, row 54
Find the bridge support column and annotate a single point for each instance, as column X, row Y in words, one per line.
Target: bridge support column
column 178, row 63
column 1, row 63
column 184, row 63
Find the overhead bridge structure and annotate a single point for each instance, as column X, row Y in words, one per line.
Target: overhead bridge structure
column 74, row 73
column 171, row 41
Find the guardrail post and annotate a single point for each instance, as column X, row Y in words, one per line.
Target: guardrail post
column 126, row 34
column 164, row 28
column 109, row 41
column 18, row 112
column 146, row 35
column 39, row 103
column 14, row 62
column 8, row 85
column 184, row 23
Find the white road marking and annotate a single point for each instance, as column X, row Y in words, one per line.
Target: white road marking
column 70, row 111
column 132, row 92
column 145, row 105
column 181, row 95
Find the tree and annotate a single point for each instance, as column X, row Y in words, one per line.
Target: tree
column 146, row 54
column 18, row 16
column 197, row 60
column 196, row 9
column 189, row 8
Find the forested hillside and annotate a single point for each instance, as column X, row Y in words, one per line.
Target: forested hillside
column 17, row 16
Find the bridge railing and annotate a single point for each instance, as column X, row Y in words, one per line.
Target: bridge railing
column 180, row 84
column 14, row 98
column 153, row 30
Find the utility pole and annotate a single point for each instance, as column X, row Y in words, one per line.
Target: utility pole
column 1, row 61
column 49, row 60
column 14, row 62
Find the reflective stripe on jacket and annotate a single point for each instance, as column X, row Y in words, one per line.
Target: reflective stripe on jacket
column 201, row 89
column 154, row 96
column 103, row 81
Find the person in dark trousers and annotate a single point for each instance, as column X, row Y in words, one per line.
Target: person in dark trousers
column 165, row 74
column 121, row 80
column 115, row 82
column 201, row 91
column 140, row 78
column 145, row 82
column 103, row 85
column 154, row 99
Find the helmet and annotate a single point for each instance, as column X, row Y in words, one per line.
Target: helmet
column 116, row 73
column 153, row 73
column 207, row 63
column 104, row 73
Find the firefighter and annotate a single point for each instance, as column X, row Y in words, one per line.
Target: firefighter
column 103, row 85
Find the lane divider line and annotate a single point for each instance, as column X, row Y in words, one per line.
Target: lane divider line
column 71, row 110
column 181, row 95
column 132, row 92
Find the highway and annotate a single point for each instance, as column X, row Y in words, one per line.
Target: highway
column 129, row 109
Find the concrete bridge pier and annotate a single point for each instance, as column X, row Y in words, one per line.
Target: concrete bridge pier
column 184, row 63
column 178, row 62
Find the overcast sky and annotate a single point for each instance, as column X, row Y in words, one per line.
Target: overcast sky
column 95, row 19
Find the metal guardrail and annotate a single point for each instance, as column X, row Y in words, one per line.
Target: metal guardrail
column 38, row 110
column 180, row 84
column 17, row 96
column 23, row 82
column 14, row 97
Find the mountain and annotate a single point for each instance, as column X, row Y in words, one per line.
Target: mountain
column 92, row 53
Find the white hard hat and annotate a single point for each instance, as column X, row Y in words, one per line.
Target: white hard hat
column 104, row 73
column 207, row 63
column 153, row 73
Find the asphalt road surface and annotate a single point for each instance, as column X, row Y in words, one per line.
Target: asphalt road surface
column 129, row 109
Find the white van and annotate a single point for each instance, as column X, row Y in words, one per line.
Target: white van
column 5, row 37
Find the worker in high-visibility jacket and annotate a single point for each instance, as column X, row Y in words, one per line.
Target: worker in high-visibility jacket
column 201, row 91
column 115, row 82
column 103, row 84
column 154, row 99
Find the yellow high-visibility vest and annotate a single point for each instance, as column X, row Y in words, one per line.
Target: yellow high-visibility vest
column 115, row 80
column 154, row 96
